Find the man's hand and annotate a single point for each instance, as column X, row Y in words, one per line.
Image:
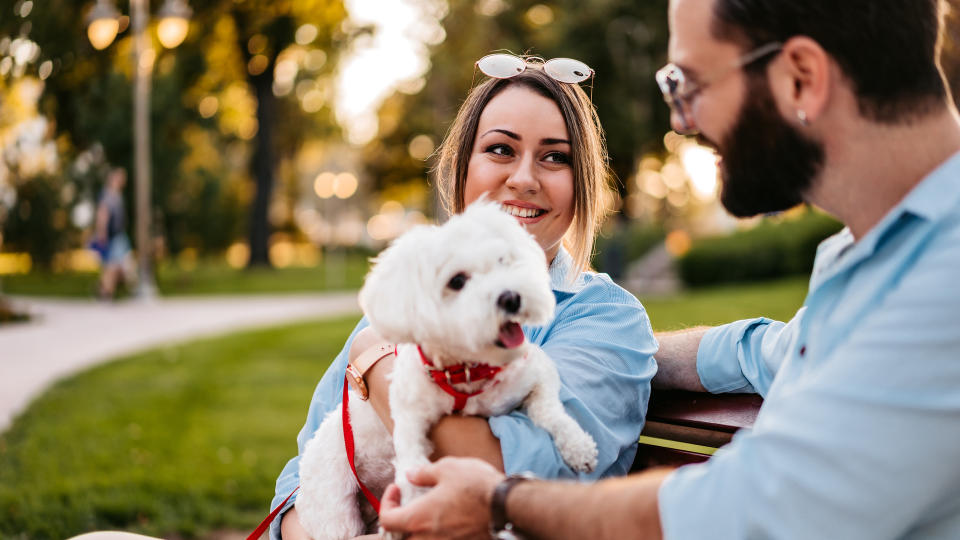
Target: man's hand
column 458, row 506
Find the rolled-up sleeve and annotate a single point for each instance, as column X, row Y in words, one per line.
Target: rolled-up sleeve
column 603, row 347
column 744, row 356
column 326, row 397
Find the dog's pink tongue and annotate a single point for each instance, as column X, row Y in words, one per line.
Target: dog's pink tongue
column 511, row 335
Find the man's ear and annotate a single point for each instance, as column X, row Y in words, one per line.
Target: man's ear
column 801, row 79
column 390, row 293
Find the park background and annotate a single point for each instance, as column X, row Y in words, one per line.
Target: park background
column 289, row 141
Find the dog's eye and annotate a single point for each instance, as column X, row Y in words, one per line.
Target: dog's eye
column 458, row 281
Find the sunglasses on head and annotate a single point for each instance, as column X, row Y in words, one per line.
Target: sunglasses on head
column 504, row 66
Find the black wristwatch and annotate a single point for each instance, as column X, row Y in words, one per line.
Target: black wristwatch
column 500, row 526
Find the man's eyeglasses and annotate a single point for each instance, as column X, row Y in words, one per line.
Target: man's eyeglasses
column 504, row 66
column 679, row 91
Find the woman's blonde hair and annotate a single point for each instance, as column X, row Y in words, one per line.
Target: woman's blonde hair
column 591, row 189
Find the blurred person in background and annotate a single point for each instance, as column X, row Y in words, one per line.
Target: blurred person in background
column 110, row 235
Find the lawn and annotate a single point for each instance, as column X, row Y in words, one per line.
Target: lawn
column 186, row 440
column 778, row 300
column 208, row 277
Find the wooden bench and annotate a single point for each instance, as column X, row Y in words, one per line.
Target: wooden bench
column 688, row 427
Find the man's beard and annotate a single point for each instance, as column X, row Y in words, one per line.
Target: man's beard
column 768, row 165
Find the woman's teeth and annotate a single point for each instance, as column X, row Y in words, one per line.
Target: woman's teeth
column 516, row 211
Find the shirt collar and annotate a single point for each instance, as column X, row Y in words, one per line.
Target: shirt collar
column 930, row 200
column 561, row 266
column 936, row 194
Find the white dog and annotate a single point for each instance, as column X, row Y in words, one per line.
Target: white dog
column 454, row 298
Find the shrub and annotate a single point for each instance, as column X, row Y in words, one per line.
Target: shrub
column 772, row 249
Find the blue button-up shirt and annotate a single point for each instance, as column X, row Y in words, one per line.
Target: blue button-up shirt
column 859, row 433
column 603, row 346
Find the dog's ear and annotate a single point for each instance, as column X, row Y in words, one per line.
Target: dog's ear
column 390, row 293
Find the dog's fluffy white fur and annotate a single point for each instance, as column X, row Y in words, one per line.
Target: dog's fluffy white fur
column 409, row 299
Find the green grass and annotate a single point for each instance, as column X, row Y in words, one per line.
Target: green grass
column 173, row 442
column 207, row 278
column 188, row 439
column 778, row 300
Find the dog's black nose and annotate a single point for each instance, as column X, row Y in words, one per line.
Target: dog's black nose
column 509, row 301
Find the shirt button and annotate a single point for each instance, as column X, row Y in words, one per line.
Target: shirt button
column 803, row 350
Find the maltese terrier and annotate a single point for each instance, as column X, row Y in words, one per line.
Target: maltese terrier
column 453, row 297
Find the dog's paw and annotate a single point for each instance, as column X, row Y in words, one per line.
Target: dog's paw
column 579, row 451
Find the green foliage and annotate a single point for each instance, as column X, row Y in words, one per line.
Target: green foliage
column 624, row 41
column 173, row 442
column 200, row 183
column 626, row 243
column 772, row 249
column 37, row 222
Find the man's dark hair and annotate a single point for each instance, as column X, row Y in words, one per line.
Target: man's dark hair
column 889, row 49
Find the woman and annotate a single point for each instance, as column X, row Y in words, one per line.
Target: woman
column 533, row 144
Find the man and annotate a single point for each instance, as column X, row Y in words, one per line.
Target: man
column 839, row 103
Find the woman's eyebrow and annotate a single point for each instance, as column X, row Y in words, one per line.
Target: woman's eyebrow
column 546, row 142
column 510, row 134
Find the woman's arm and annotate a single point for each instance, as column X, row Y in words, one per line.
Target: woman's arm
column 465, row 436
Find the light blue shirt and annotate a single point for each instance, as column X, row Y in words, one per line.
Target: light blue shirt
column 859, row 433
column 602, row 343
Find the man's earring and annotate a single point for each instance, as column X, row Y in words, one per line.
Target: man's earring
column 802, row 116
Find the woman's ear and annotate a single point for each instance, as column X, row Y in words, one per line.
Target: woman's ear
column 390, row 296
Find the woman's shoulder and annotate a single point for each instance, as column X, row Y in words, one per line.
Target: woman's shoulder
column 599, row 287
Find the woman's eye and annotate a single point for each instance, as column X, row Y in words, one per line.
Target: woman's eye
column 458, row 281
column 557, row 157
column 500, row 150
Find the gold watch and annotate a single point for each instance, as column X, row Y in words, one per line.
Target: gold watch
column 358, row 368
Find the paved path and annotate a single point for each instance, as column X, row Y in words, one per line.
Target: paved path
column 66, row 336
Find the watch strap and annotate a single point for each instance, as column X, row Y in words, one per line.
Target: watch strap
column 358, row 368
column 371, row 356
column 500, row 525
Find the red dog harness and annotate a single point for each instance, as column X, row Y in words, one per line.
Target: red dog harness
column 458, row 374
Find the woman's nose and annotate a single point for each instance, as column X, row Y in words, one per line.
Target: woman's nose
column 524, row 177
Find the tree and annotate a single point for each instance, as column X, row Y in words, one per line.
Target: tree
column 215, row 102
column 622, row 40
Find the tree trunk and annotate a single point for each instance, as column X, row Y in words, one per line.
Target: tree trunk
column 262, row 168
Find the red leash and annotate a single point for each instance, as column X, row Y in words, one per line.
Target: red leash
column 444, row 378
column 348, row 442
column 266, row 522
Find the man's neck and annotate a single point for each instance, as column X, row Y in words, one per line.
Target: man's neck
column 871, row 167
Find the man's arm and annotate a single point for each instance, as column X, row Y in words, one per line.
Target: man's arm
column 677, row 360
column 459, row 505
